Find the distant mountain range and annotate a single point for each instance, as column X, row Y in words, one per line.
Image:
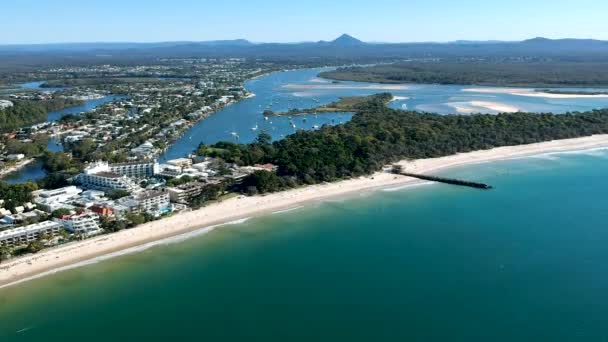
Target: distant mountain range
column 343, row 47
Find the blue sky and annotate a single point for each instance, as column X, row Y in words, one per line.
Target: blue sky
column 43, row 21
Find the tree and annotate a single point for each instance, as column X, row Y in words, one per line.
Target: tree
column 117, row 194
column 5, row 253
column 264, row 138
column 59, row 213
column 135, row 219
column 35, row 246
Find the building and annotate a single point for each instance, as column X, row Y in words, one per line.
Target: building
column 5, row 104
column 146, row 149
column 143, row 169
column 170, row 171
column 152, row 202
column 184, row 193
column 51, row 200
column 15, row 157
column 99, row 176
column 102, row 209
column 86, row 223
column 24, row 235
column 184, row 163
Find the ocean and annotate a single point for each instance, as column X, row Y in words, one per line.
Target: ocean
column 523, row 262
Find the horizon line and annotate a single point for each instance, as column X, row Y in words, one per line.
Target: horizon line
column 290, row 42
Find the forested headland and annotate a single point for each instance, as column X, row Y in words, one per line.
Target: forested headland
column 378, row 135
column 27, row 113
column 488, row 73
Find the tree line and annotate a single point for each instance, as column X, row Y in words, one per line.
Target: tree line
column 377, row 136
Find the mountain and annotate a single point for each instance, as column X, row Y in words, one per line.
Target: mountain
column 347, row 40
column 344, row 49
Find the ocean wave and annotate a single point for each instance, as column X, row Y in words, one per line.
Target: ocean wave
column 132, row 250
column 287, row 210
column 406, row 186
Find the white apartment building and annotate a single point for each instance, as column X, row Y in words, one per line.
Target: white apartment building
column 51, row 200
column 152, row 202
column 24, row 235
column 184, row 163
column 86, row 223
column 99, row 176
column 136, row 169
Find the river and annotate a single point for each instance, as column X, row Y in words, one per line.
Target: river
column 281, row 91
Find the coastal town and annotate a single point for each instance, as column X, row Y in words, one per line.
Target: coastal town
column 102, row 169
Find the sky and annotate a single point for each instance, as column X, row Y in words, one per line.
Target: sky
column 58, row 21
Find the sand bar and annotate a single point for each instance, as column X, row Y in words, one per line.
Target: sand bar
column 28, row 267
column 533, row 93
column 480, row 106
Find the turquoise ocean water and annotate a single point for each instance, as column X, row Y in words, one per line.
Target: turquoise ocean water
column 524, row 262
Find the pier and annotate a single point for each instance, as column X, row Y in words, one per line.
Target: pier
column 452, row 181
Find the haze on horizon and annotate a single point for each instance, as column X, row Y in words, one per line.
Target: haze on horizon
column 38, row 21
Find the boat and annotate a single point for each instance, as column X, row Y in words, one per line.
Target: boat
column 315, row 127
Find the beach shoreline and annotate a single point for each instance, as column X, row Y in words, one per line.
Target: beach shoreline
column 14, row 168
column 77, row 254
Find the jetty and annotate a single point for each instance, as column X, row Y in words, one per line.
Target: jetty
column 452, row 181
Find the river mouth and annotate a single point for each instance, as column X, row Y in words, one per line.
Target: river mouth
column 302, row 89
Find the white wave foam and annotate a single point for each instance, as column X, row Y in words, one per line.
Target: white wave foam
column 137, row 249
column 287, row 210
column 403, row 187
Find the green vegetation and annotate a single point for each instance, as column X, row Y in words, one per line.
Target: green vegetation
column 571, row 92
column 117, row 194
column 35, row 147
column 377, row 136
column 528, row 74
column 27, row 113
column 15, row 195
column 92, row 81
column 22, row 113
column 345, row 104
column 60, row 213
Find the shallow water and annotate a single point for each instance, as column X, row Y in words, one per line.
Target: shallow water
column 282, row 91
column 523, row 262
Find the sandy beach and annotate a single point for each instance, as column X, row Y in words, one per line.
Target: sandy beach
column 532, row 93
column 28, row 267
column 481, row 106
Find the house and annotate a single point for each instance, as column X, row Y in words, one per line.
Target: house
column 15, row 157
